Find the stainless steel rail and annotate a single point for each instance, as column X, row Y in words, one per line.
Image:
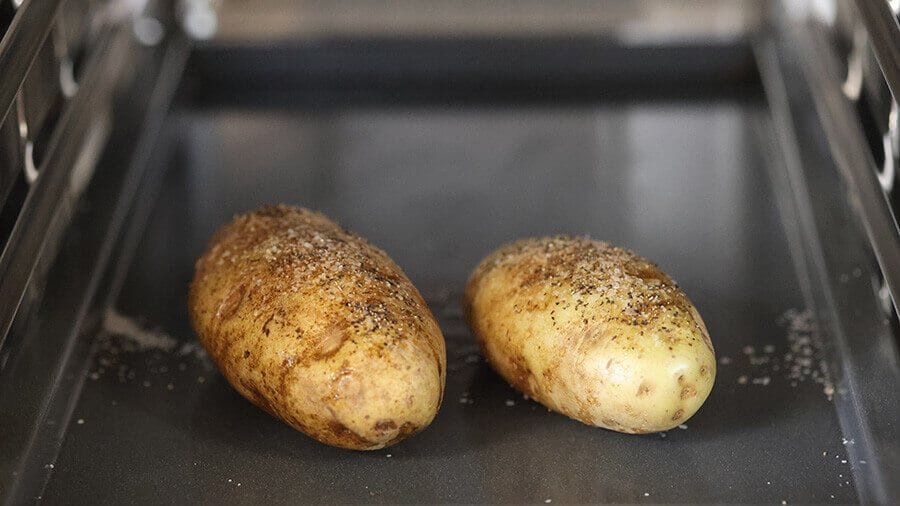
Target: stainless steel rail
column 854, row 159
column 884, row 34
column 20, row 45
column 29, row 236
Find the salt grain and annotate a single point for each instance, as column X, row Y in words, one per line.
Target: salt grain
column 510, row 403
column 725, row 360
column 80, row 421
column 764, row 381
column 683, row 426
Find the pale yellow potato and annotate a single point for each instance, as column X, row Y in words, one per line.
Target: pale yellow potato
column 319, row 328
column 592, row 331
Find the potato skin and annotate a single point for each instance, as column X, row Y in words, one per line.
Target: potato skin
column 319, row 328
column 592, row 331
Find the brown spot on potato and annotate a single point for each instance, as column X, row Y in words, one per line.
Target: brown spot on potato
column 231, row 302
column 703, row 370
column 341, row 432
column 688, row 391
column 644, row 389
column 246, row 353
column 328, row 342
column 406, row 430
column 265, row 327
column 521, row 374
column 678, row 414
column 385, row 425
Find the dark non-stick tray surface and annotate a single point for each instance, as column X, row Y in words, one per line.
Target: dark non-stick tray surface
column 685, row 182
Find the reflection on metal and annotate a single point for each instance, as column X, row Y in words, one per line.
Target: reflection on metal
column 148, row 31
column 884, row 296
column 31, row 172
column 67, row 84
column 853, row 83
column 887, row 174
column 199, row 18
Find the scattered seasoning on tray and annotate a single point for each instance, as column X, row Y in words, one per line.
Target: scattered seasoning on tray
column 135, row 354
column 80, row 421
column 802, row 362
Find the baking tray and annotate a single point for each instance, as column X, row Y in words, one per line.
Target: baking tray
column 438, row 167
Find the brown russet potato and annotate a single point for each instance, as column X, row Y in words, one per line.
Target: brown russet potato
column 592, row 331
column 319, row 328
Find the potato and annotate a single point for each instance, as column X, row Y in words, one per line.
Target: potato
column 319, row 328
column 592, row 331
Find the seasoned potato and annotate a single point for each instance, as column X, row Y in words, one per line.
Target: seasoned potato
column 319, row 328
column 592, row 331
